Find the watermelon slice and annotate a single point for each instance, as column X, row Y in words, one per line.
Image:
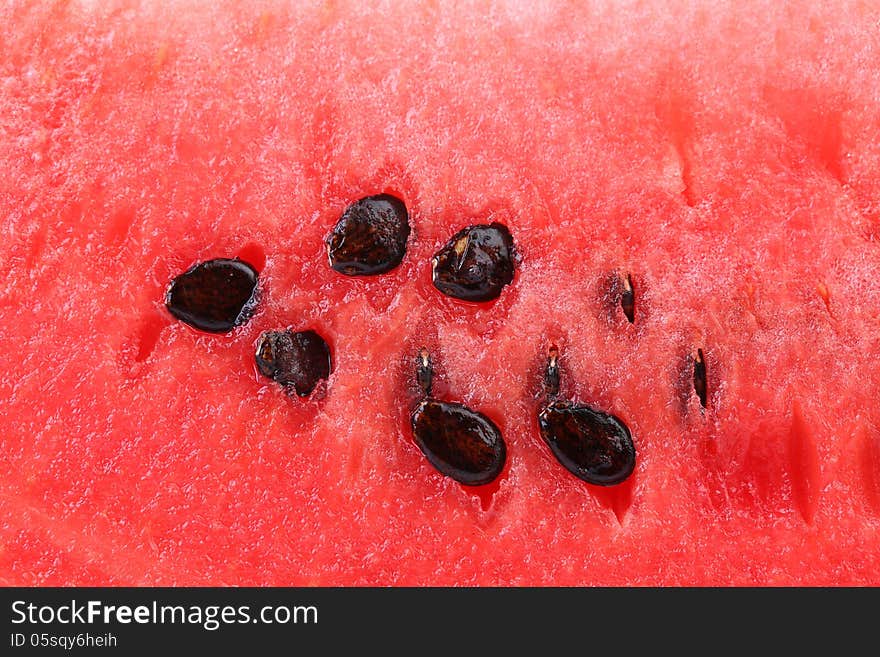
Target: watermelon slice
column 710, row 169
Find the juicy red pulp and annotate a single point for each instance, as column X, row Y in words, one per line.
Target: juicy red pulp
column 724, row 157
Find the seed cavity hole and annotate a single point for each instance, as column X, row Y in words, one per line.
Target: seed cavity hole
column 120, row 226
column 148, row 336
column 825, row 294
column 486, row 492
column 140, row 345
column 253, row 254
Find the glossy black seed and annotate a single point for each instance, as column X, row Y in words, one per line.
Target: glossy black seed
column 475, row 264
column 700, row 380
column 370, row 237
column 297, row 360
column 628, row 299
column 214, row 296
column 594, row 446
column 461, row 443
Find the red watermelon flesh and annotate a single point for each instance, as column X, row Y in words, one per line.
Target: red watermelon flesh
column 725, row 155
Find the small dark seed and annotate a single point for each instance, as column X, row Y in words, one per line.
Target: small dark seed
column 551, row 374
column 628, row 299
column 475, row 264
column 214, row 296
column 370, row 237
column 425, row 372
column 295, row 360
column 594, row 446
column 700, row 377
column 461, row 443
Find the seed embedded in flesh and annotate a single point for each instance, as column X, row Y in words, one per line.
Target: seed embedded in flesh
column 297, row 360
column 628, row 299
column 425, row 372
column 370, row 236
column 214, row 296
column 551, row 374
column 458, row 441
column 476, row 263
column 700, row 380
column 595, row 446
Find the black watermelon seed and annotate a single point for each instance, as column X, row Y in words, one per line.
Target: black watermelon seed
column 461, row 443
column 297, row 360
column 370, row 236
column 476, row 263
column 628, row 299
column 700, row 380
column 214, row 296
column 594, row 446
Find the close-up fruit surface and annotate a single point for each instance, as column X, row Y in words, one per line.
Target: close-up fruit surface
column 688, row 203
